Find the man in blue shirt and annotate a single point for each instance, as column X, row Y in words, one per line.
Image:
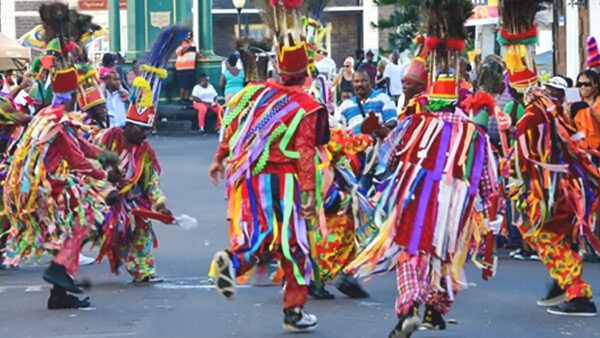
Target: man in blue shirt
column 117, row 100
column 352, row 113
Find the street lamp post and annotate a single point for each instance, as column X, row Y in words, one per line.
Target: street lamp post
column 238, row 5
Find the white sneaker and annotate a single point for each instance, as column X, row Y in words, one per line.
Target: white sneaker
column 85, row 260
column 225, row 278
column 299, row 321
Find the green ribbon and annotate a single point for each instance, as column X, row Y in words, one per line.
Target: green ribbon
column 437, row 105
column 247, row 93
column 288, row 204
column 291, row 130
column 264, row 157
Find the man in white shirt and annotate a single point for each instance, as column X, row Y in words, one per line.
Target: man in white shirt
column 205, row 100
column 117, row 100
column 394, row 73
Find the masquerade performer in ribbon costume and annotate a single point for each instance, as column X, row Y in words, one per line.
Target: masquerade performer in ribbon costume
column 555, row 183
column 12, row 125
column 271, row 132
column 90, row 100
column 442, row 167
column 414, row 83
column 127, row 237
column 342, row 207
column 344, row 213
column 55, row 190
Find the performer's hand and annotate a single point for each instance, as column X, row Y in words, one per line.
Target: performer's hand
column 108, row 158
column 164, row 210
column 309, row 206
column 382, row 132
column 216, row 170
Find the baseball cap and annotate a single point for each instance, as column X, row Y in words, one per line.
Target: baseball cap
column 558, row 83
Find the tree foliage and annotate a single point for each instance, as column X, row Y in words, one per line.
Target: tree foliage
column 403, row 24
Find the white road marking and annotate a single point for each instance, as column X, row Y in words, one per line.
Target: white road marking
column 188, row 283
column 27, row 288
column 95, row 335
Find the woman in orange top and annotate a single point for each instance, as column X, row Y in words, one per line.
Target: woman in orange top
column 587, row 119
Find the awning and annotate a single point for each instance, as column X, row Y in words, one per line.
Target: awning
column 12, row 54
column 484, row 15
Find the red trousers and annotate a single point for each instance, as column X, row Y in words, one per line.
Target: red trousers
column 203, row 108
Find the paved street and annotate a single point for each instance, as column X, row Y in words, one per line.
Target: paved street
column 186, row 306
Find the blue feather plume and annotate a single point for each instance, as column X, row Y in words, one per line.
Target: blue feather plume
column 164, row 46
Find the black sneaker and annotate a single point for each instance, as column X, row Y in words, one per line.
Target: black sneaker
column 298, row 321
column 407, row 324
column 225, row 278
column 554, row 296
column 319, row 293
column 579, row 307
column 59, row 299
column 351, row 288
column 57, row 274
column 433, row 319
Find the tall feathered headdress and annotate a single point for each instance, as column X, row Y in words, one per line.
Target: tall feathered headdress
column 284, row 19
column 63, row 31
column 519, row 35
column 145, row 91
column 314, row 30
column 446, row 35
column 254, row 56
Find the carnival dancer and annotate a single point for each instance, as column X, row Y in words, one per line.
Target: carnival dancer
column 271, row 132
column 342, row 207
column 127, row 236
column 55, row 190
column 91, row 102
column 414, row 86
column 344, row 214
column 555, row 182
column 442, row 167
column 12, row 125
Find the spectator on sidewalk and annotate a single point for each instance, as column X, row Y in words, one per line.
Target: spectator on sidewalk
column 394, row 73
column 352, row 113
column 586, row 114
column 343, row 81
column 185, row 66
column 370, row 66
column 117, row 100
column 205, row 100
column 232, row 79
column 381, row 82
column 108, row 65
column 359, row 55
column 119, row 63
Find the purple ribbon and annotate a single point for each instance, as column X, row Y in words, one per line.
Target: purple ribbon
column 257, row 149
column 477, row 166
column 430, row 178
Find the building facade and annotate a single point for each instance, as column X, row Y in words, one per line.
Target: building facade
column 351, row 21
column 574, row 21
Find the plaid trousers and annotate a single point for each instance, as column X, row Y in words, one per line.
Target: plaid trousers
column 414, row 285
